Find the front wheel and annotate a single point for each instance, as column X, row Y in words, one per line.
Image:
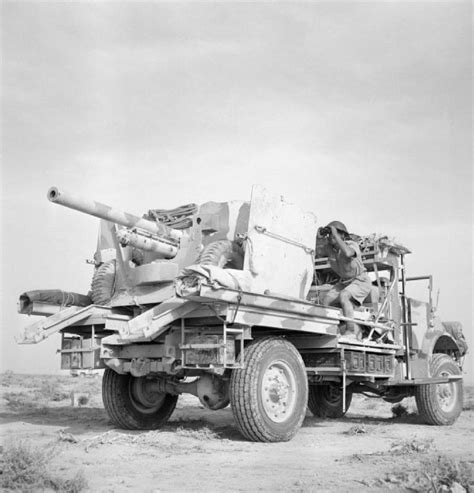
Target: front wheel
column 325, row 401
column 132, row 403
column 268, row 396
column 440, row 404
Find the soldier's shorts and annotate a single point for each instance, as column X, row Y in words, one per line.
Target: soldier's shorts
column 359, row 289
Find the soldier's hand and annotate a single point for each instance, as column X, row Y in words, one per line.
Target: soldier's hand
column 333, row 231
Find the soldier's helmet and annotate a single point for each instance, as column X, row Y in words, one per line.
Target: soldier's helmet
column 339, row 226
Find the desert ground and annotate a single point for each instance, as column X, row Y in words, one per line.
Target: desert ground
column 56, row 436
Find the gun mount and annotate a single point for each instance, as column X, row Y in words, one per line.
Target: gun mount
column 137, row 259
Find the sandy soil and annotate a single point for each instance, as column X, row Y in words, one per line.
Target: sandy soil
column 200, row 450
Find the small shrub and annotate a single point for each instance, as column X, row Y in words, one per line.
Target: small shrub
column 25, row 468
column 75, row 485
column 437, row 474
column 204, row 433
column 82, row 400
column 356, row 430
column 411, row 446
column 399, row 410
column 19, row 400
column 6, row 378
column 446, row 471
column 50, row 391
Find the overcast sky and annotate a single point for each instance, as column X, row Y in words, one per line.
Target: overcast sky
column 360, row 112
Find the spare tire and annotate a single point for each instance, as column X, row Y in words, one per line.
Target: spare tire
column 222, row 253
column 103, row 283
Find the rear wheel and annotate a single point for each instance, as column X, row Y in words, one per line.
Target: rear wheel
column 268, row 396
column 325, row 401
column 131, row 403
column 440, row 404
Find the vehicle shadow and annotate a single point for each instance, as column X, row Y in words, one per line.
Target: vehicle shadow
column 74, row 420
column 410, row 419
column 190, row 422
column 85, row 420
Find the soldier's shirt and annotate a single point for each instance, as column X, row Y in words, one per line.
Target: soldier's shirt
column 346, row 268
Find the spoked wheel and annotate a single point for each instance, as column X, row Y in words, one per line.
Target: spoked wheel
column 325, row 401
column 440, row 404
column 268, row 396
column 132, row 403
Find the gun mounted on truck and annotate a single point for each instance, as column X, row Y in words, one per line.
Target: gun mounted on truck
column 230, row 293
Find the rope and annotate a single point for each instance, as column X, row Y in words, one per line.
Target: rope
column 67, row 299
column 178, row 218
column 239, row 300
column 245, row 237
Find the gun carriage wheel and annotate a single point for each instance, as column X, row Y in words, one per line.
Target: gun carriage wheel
column 268, row 396
column 132, row 404
column 103, row 283
column 222, row 253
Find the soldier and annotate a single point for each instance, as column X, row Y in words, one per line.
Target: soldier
column 354, row 283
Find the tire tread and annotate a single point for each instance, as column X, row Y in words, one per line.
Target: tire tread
column 244, row 386
column 425, row 395
column 115, row 395
column 103, row 283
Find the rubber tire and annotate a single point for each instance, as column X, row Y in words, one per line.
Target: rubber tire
column 325, row 401
column 426, row 396
column 246, row 387
column 103, row 283
column 222, row 253
column 123, row 413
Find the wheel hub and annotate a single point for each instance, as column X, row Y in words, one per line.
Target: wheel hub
column 447, row 394
column 278, row 391
column 143, row 397
column 333, row 394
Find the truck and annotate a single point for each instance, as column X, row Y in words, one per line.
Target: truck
column 223, row 301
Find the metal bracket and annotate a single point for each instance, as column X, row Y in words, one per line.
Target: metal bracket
column 263, row 230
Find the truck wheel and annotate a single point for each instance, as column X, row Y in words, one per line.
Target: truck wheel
column 131, row 405
column 223, row 253
column 268, row 396
column 103, row 283
column 325, row 401
column 440, row 404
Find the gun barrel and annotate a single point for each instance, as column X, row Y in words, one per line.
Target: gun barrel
column 108, row 213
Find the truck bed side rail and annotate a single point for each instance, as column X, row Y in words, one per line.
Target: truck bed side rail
column 44, row 328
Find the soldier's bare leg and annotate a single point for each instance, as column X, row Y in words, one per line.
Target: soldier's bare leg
column 331, row 297
column 348, row 311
